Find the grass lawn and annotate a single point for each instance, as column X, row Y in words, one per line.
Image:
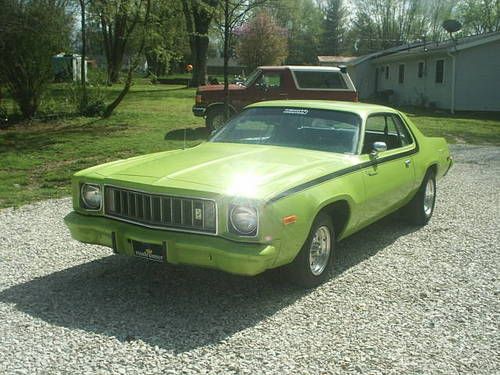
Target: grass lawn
column 37, row 160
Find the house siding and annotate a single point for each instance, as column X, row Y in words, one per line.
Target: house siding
column 420, row 91
column 363, row 77
column 478, row 78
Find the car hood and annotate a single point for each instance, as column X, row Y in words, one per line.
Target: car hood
column 252, row 171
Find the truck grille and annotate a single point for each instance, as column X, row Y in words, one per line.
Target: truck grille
column 161, row 211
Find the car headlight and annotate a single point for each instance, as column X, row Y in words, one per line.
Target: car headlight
column 91, row 196
column 244, row 220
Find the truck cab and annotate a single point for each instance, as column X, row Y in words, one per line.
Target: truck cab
column 274, row 83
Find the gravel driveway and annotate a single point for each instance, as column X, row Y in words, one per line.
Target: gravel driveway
column 403, row 301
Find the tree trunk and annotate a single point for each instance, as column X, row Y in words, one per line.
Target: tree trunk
column 198, row 15
column 132, row 65
column 112, row 106
column 199, row 77
column 84, row 99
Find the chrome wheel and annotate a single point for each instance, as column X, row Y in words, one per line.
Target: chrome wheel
column 319, row 251
column 429, row 197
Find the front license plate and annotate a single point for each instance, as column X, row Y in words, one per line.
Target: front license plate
column 150, row 251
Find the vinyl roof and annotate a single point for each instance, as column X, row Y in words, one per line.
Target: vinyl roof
column 362, row 109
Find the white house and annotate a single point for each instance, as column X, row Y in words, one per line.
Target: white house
column 458, row 75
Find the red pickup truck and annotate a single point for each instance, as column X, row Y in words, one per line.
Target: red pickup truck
column 271, row 83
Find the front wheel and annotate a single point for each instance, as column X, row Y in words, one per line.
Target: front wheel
column 215, row 119
column 420, row 209
column 313, row 264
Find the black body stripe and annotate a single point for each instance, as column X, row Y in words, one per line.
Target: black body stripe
column 331, row 176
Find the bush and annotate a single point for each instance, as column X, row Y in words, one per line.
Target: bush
column 32, row 32
column 93, row 106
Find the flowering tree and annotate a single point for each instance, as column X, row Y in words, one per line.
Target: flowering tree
column 261, row 41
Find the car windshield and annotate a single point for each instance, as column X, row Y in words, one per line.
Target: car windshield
column 251, row 77
column 313, row 129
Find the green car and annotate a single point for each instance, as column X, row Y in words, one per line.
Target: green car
column 279, row 185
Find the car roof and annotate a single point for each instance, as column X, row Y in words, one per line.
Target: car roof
column 362, row 109
column 307, row 68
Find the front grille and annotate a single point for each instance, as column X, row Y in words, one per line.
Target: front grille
column 161, row 211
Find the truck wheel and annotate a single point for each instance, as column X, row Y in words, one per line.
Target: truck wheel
column 312, row 266
column 420, row 209
column 215, row 119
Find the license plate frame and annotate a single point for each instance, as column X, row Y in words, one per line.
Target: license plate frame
column 150, row 251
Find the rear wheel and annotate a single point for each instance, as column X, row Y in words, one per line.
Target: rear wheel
column 420, row 209
column 312, row 266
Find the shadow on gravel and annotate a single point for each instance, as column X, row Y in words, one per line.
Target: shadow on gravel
column 175, row 308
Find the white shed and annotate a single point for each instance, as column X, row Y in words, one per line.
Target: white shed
column 67, row 67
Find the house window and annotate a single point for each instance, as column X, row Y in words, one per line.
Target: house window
column 387, row 72
column 439, row 71
column 401, row 73
column 420, row 71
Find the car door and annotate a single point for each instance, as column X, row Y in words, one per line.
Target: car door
column 389, row 177
column 270, row 86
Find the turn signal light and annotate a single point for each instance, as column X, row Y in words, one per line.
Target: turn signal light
column 289, row 219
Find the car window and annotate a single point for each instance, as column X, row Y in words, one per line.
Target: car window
column 251, row 77
column 404, row 133
column 314, row 129
column 376, row 123
column 382, row 128
column 319, row 80
column 270, row 80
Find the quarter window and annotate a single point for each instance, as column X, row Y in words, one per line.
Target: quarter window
column 320, row 80
column 403, row 132
column 439, row 71
column 387, row 128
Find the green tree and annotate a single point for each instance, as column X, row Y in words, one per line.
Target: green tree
column 232, row 14
column 31, row 32
column 303, row 20
column 479, row 16
column 381, row 24
column 118, row 21
column 261, row 41
column 167, row 40
column 334, row 28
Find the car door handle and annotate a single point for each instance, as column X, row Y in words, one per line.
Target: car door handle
column 407, row 163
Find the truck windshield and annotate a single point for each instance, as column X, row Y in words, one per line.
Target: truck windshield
column 313, row 129
column 251, row 77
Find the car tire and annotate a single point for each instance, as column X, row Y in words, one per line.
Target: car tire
column 420, row 209
column 313, row 264
column 215, row 119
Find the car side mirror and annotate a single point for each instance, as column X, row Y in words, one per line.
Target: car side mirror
column 377, row 148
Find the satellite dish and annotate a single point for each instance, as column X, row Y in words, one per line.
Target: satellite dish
column 451, row 25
